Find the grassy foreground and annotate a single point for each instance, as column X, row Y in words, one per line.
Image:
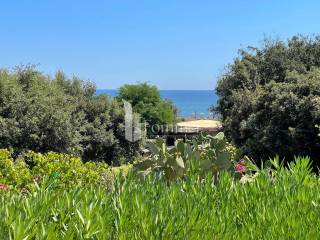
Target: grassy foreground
column 272, row 204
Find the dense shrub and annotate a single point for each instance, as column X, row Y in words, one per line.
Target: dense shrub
column 275, row 204
column 270, row 98
column 65, row 170
column 58, row 114
column 146, row 101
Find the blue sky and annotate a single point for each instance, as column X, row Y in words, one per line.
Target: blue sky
column 172, row 44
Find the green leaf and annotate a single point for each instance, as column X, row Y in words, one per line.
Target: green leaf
column 196, row 155
column 205, row 165
column 153, row 148
column 223, row 160
column 188, row 150
column 81, row 217
column 180, row 147
column 144, row 165
column 219, row 145
column 180, row 162
column 219, row 136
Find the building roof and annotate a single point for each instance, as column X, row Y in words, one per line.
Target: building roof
column 199, row 126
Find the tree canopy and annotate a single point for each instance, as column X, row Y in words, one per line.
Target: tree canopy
column 60, row 114
column 270, row 98
column 146, row 101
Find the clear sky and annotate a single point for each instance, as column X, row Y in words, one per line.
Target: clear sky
column 172, row 44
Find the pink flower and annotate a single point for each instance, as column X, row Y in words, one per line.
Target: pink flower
column 240, row 167
column 3, row 187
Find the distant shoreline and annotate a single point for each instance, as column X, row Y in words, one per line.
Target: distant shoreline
column 110, row 89
column 192, row 104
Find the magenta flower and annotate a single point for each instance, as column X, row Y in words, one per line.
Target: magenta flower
column 240, row 167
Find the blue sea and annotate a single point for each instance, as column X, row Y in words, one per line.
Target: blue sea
column 190, row 103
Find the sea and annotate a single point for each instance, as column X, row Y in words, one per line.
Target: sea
column 190, row 103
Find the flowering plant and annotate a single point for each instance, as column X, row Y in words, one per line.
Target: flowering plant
column 241, row 167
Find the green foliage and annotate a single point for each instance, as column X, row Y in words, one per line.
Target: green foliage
column 206, row 154
column 14, row 173
column 63, row 115
column 269, row 99
column 172, row 163
column 270, row 206
column 146, row 101
column 66, row 171
column 216, row 154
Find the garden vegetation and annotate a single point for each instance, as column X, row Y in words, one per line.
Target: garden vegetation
column 147, row 102
column 59, row 114
column 265, row 203
column 59, row 140
column 270, row 99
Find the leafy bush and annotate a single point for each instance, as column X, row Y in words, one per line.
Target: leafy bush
column 64, row 170
column 269, row 99
column 14, row 173
column 269, row 207
column 205, row 154
column 145, row 100
column 63, row 115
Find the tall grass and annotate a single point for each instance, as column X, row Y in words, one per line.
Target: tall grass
column 274, row 204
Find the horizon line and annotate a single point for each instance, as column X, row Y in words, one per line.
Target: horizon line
column 164, row 89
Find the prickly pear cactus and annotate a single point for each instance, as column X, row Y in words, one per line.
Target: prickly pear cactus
column 205, row 154
column 170, row 162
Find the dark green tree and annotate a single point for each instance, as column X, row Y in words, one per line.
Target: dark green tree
column 60, row 114
column 146, row 101
column 269, row 98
